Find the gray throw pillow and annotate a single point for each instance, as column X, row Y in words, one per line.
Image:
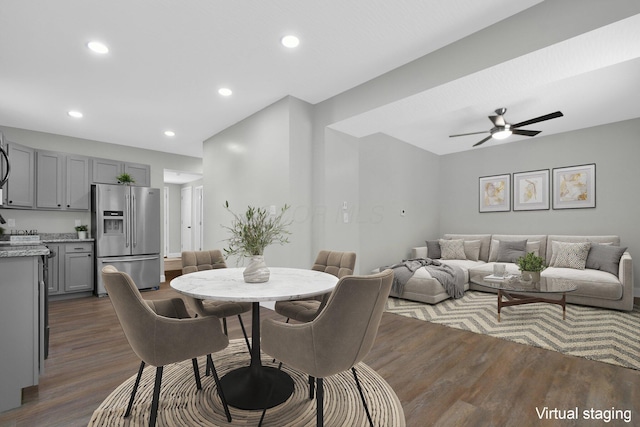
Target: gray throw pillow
column 510, row 251
column 605, row 258
column 433, row 249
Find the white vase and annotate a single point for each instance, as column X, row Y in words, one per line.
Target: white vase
column 257, row 271
column 82, row 235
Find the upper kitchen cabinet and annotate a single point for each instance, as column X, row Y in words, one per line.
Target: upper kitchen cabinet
column 62, row 181
column 141, row 174
column 107, row 172
column 19, row 189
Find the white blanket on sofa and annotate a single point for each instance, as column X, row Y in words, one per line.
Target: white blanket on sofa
column 450, row 277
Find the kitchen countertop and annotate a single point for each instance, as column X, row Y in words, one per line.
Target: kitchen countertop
column 20, row 249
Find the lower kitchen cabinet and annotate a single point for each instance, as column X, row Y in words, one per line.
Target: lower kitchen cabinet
column 71, row 270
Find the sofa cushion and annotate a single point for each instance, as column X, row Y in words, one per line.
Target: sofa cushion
column 472, row 249
column 452, row 249
column 534, row 242
column 611, row 239
column 604, row 257
column 511, row 251
column 569, row 255
column 485, row 242
column 591, row 283
column 433, row 249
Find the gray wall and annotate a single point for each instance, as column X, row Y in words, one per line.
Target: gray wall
column 174, row 217
column 615, row 150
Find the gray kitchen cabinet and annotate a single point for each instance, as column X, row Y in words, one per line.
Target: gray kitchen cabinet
column 71, row 270
column 141, row 174
column 105, row 171
column 77, row 187
column 62, row 181
column 19, row 189
column 49, row 180
column 78, row 267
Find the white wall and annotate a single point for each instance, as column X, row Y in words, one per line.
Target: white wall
column 261, row 162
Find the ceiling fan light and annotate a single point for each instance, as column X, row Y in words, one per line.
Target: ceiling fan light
column 501, row 134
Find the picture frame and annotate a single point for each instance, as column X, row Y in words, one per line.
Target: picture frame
column 574, row 187
column 495, row 193
column 531, row 190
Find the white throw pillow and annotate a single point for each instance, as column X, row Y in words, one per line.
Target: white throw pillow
column 569, row 255
column 472, row 249
column 452, row 249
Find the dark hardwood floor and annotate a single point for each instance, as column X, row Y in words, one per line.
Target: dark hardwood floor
column 442, row 376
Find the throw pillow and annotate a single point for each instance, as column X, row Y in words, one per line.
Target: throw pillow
column 452, row 249
column 569, row 255
column 533, row 247
column 493, row 250
column 510, row 251
column 472, row 249
column 605, row 258
column 433, row 249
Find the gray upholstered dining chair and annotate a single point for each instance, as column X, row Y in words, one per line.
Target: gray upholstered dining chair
column 339, row 264
column 193, row 261
column 161, row 332
column 338, row 339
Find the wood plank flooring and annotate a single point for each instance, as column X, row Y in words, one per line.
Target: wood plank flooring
column 443, row 376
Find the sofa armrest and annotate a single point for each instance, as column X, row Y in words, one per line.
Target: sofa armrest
column 625, row 270
column 419, row 252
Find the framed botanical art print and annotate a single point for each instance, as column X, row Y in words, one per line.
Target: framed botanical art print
column 495, row 193
column 531, row 190
column 574, row 187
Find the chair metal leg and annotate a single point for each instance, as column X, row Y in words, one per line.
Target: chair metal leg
column 320, row 403
column 244, row 332
column 135, row 389
column 312, row 384
column 208, row 364
column 156, row 397
column 220, row 391
column 196, row 373
column 364, row 401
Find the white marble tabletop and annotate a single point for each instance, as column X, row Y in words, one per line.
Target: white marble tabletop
column 227, row 284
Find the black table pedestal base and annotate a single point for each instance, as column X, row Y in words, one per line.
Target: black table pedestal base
column 254, row 388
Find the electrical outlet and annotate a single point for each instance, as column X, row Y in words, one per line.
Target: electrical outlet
column 78, row 222
column 11, row 222
column 344, row 205
column 345, row 217
column 272, row 209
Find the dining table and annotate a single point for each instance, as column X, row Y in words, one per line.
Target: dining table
column 255, row 386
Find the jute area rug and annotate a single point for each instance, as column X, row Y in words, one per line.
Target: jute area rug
column 182, row 405
column 608, row 336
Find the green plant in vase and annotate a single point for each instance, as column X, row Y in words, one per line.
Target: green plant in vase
column 531, row 265
column 126, row 179
column 82, row 231
column 251, row 233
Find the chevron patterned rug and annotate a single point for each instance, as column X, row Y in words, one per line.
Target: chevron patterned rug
column 604, row 335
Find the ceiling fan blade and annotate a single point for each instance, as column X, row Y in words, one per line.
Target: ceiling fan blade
column 538, row 119
column 472, row 133
column 498, row 121
column 482, row 142
column 525, row 132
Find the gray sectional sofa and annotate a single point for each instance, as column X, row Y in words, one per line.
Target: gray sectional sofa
column 602, row 283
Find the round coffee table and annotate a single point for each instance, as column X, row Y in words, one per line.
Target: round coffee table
column 518, row 292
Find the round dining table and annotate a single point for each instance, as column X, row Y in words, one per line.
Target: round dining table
column 255, row 386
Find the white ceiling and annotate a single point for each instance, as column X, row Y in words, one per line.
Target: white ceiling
column 168, row 58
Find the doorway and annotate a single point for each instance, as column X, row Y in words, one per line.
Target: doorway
column 186, row 229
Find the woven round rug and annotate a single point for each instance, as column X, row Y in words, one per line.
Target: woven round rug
column 181, row 404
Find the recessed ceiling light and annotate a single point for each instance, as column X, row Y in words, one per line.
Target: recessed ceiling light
column 98, row 47
column 224, row 91
column 169, row 133
column 75, row 114
column 290, row 41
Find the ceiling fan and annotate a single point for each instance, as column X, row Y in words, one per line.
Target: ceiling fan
column 501, row 129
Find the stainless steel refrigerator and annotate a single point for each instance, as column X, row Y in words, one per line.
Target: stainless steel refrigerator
column 125, row 223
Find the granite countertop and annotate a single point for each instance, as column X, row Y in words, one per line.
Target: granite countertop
column 20, row 249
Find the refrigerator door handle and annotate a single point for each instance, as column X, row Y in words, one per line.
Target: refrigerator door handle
column 134, row 221
column 129, row 259
column 127, row 221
